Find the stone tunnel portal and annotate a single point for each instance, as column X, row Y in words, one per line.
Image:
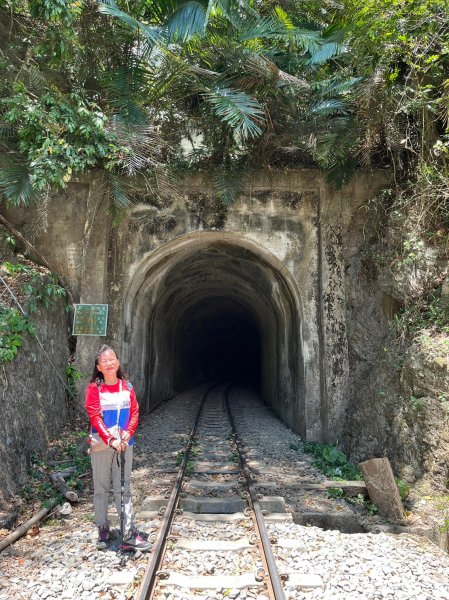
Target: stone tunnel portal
column 214, row 306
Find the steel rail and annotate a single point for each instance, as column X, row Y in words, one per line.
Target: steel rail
column 146, row 588
column 274, row 582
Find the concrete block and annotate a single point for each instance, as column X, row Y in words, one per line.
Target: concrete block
column 204, row 504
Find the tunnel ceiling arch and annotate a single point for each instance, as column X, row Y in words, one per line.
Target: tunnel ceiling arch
column 215, row 295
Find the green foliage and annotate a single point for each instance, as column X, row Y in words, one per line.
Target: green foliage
column 180, row 457
column 125, row 87
column 361, row 501
column 416, row 403
column 234, row 456
column 58, row 135
column 38, row 290
column 332, row 462
column 73, row 375
column 428, row 314
column 39, row 487
column 58, row 11
column 13, row 326
column 79, row 460
column 335, row 492
column 404, row 489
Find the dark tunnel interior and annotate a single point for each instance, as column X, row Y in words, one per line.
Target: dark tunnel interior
column 217, row 340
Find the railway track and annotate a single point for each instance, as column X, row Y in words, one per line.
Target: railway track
column 212, row 507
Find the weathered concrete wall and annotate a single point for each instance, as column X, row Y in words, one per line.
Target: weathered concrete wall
column 274, row 260
column 33, row 406
column 398, row 399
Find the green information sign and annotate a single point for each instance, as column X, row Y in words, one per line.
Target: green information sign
column 90, row 319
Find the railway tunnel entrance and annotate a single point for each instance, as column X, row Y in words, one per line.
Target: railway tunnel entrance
column 210, row 306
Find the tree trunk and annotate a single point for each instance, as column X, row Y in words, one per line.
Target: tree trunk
column 60, row 484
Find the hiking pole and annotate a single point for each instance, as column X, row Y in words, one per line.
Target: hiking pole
column 122, row 497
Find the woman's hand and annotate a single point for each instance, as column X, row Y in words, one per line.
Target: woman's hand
column 118, row 445
column 125, row 436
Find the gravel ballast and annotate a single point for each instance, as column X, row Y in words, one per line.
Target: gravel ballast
column 61, row 562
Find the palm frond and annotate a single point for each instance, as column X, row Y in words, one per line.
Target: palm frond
column 123, row 86
column 15, row 182
column 340, row 174
column 188, row 19
column 34, row 79
column 145, row 147
column 6, row 131
column 326, row 52
column 332, row 87
column 330, row 107
column 153, row 35
column 278, row 27
column 239, row 111
column 164, row 183
column 335, row 145
column 119, row 188
column 307, row 39
column 283, row 18
column 259, row 28
column 228, row 183
column 255, row 71
column 230, row 7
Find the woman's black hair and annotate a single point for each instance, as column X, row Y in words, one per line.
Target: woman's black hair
column 97, row 376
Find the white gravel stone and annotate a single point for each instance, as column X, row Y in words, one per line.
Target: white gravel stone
column 63, row 563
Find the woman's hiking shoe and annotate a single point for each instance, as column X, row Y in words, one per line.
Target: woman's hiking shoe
column 136, row 542
column 103, row 537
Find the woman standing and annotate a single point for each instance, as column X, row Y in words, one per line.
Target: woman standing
column 114, row 413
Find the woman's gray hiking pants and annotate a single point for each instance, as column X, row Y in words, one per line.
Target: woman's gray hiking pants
column 105, row 469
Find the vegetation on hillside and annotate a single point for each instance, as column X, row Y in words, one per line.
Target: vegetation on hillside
column 157, row 85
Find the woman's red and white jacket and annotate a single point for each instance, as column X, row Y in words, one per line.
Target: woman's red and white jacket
column 112, row 410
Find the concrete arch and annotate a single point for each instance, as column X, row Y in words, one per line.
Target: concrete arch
column 211, row 297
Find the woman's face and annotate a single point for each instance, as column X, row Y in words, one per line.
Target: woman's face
column 108, row 364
